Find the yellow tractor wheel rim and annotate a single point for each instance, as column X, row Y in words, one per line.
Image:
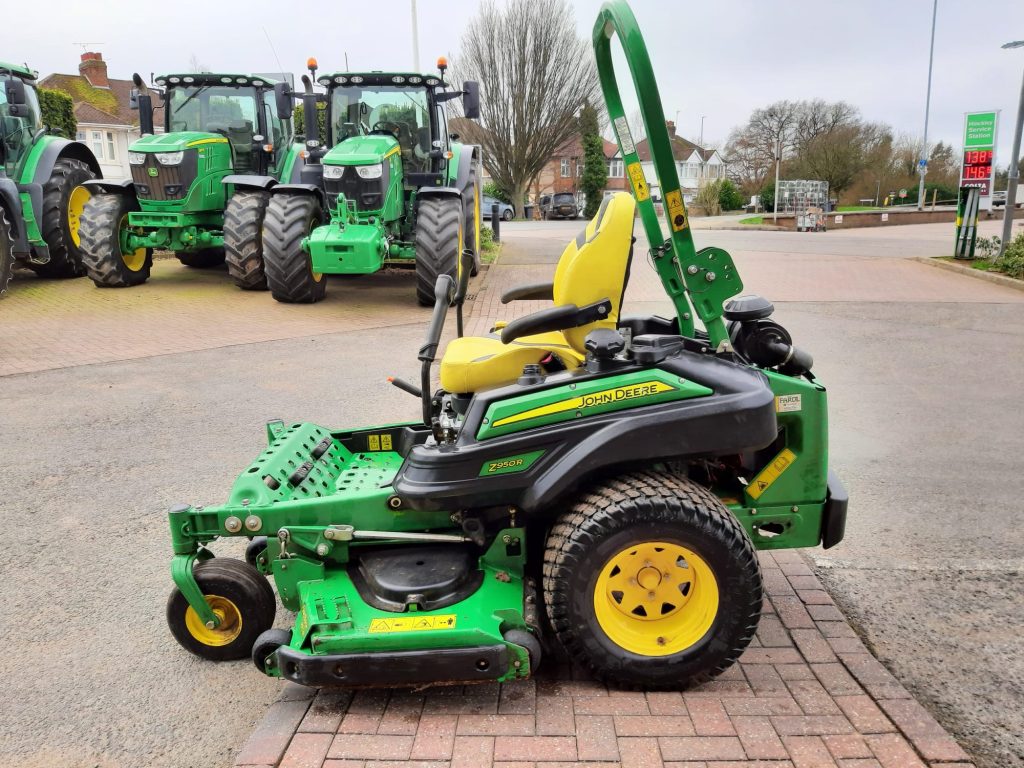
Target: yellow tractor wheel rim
column 76, row 204
column 656, row 598
column 136, row 259
column 229, row 628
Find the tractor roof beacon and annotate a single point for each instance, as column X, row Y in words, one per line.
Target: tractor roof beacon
column 387, row 186
column 41, row 199
column 199, row 189
column 617, row 472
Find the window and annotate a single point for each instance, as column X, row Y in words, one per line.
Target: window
column 111, row 151
column 579, row 168
column 80, row 136
column 691, row 170
column 615, row 168
column 102, row 143
column 566, row 169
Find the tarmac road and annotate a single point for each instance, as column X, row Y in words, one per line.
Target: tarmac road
column 921, row 366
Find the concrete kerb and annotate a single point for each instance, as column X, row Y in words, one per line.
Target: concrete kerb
column 992, row 277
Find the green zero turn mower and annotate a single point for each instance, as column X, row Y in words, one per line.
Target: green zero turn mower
column 603, row 479
column 199, row 189
column 394, row 189
column 41, row 199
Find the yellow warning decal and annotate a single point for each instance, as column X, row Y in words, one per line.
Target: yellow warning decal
column 378, row 442
column 676, row 210
column 385, row 442
column 604, row 397
column 636, row 175
column 771, row 473
column 412, row 623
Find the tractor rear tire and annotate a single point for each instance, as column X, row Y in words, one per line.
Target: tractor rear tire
column 6, row 252
column 243, row 239
column 438, row 243
column 204, row 259
column 63, row 203
column 108, row 266
column 290, row 275
column 650, row 581
column 241, row 596
column 473, row 222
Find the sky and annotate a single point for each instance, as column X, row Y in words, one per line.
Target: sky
column 721, row 59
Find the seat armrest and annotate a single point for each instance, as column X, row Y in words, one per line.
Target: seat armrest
column 541, row 291
column 555, row 319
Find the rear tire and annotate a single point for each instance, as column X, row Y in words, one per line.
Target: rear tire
column 438, row 243
column 649, row 581
column 6, row 252
column 289, row 218
column 204, row 259
column 61, row 225
column 243, row 239
column 239, row 594
column 104, row 223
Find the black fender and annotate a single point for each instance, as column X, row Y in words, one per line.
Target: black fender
column 425, row 192
column 107, row 187
column 249, row 181
column 301, row 189
column 10, row 200
column 297, row 166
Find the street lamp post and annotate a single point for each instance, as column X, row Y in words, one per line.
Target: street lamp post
column 778, row 160
column 700, row 143
column 1011, row 180
column 923, row 164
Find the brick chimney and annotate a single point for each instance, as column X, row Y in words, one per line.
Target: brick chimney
column 671, row 128
column 94, row 69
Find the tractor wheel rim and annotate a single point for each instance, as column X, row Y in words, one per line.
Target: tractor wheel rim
column 76, row 204
column 656, row 598
column 134, row 260
column 229, row 628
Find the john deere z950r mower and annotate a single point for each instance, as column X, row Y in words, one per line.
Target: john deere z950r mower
column 395, row 188
column 199, row 189
column 603, row 478
column 40, row 197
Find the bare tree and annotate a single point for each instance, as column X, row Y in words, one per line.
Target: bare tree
column 535, row 74
column 194, row 65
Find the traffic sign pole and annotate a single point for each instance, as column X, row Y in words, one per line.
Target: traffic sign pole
column 1011, row 181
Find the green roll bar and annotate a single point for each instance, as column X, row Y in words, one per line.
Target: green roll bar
column 705, row 278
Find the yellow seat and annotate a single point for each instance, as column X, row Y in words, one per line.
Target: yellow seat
column 592, row 268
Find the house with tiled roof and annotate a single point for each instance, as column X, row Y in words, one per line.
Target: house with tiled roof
column 693, row 164
column 106, row 122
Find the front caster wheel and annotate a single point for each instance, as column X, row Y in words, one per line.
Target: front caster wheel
column 255, row 552
column 532, row 645
column 266, row 644
column 650, row 581
column 240, row 597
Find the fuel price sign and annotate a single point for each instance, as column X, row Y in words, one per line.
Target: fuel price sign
column 979, row 148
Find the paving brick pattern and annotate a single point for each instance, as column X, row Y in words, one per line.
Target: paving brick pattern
column 805, row 694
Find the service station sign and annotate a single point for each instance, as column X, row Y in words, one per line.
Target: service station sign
column 979, row 152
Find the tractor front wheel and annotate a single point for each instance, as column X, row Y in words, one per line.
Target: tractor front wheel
column 204, row 259
column 243, row 239
column 104, row 234
column 242, row 600
column 289, row 219
column 64, row 202
column 651, row 582
column 6, row 252
column 439, row 235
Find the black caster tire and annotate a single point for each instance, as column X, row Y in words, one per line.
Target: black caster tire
column 268, row 642
column 239, row 595
column 650, row 582
column 254, row 550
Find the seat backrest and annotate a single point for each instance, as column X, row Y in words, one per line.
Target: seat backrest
column 595, row 265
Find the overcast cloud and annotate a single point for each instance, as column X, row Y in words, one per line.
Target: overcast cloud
column 720, row 59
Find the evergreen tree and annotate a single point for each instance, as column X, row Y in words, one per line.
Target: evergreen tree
column 595, row 168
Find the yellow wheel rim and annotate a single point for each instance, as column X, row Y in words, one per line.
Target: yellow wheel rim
column 134, row 260
column 655, row 598
column 76, row 204
column 226, row 632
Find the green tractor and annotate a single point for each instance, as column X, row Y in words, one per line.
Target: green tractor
column 199, row 189
column 604, row 478
column 395, row 188
column 41, row 200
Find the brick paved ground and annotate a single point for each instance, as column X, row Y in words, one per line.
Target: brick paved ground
column 806, row 694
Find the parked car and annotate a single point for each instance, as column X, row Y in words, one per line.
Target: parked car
column 505, row 210
column 561, row 205
column 998, row 198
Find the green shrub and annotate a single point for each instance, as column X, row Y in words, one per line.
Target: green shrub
column 1012, row 260
column 707, row 198
column 58, row 112
column 768, row 197
column 729, row 197
column 300, row 120
column 987, row 247
column 491, row 189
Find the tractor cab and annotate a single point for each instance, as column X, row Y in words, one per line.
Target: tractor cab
column 20, row 116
